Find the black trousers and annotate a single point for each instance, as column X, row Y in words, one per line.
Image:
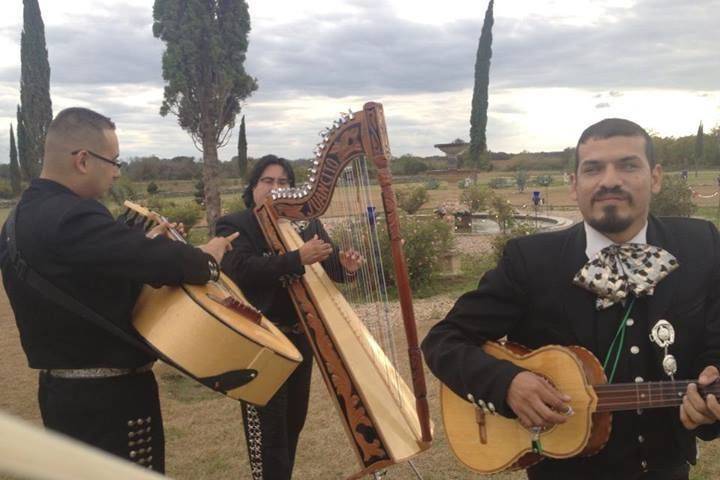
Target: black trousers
column 120, row 415
column 272, row 432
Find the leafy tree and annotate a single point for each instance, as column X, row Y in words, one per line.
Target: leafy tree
column 411, row 199
column 242, row 150
column 521, row 179
column 152, row 188
column 425, row 241
column 503, row 212
column 408, row 165
column 122, row 190
column 203, row 61
column 478, row 116
column 675, row 198
column 15, row 184
column 187, row 213
column 475, row 197
column 35, row 112
column 544, row 180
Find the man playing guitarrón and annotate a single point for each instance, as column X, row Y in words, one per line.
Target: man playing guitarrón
column 646, row 321
column 95, row 380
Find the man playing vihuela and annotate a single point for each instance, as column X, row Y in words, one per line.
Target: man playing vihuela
column 641, row 293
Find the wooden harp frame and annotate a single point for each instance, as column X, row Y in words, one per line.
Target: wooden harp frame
column 353, row 135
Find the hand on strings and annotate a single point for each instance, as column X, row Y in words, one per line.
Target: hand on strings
column 536, row 402
column 163, row 228
column 695, row 410
column 351, row 260
column 314, row 250
column 218, row 246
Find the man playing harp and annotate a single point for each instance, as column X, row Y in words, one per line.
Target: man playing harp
column 272, row 432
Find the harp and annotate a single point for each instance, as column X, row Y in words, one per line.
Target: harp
column 386, row 421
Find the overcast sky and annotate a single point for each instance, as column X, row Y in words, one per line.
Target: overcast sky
column 557, row 66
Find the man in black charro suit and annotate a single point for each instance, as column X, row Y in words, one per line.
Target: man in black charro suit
column 94, row 385
column 272, row 431
column 540, row 294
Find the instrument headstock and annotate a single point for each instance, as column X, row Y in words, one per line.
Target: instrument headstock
column 153, row 217
column 145, row 212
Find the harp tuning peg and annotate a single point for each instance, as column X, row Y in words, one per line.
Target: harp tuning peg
column 311, row 179
column 316, row 162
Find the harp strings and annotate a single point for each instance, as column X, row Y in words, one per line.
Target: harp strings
column 354, row 226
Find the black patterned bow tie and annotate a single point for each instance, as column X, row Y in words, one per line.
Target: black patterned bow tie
column 619, row 270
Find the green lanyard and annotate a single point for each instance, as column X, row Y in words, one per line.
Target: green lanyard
column 617, row 343
column 615, row 346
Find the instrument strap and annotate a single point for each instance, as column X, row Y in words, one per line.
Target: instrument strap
column 617, row 343
column 31, row 277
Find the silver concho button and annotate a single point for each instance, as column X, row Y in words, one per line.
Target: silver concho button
column 669, row 365
column 662, row 334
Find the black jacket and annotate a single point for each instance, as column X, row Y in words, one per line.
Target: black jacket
column 77, row 245
column 530, row 298
column 261, row 274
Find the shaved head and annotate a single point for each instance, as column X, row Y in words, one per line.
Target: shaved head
column 72, row 129
column 81, row 149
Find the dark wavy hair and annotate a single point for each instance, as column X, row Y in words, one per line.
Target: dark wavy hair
column 616, row 127
column 257, row 172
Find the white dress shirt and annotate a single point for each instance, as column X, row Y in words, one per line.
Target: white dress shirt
column 596, row 241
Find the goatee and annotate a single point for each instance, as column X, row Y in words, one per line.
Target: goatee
column 610, row 222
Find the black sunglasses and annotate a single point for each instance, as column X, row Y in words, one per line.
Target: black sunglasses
column 99, row 157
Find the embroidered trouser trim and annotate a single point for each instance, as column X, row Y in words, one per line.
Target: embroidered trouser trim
column 254, row 441
column 272, row 431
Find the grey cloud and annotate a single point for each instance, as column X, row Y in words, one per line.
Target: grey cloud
column 615, row 93
column 367, row 50
column 506, row 109
column 110, row 48
column 656, row 44
column 101, row 49
column 602, row 105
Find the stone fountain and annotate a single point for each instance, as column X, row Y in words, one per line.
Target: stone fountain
column 453, row 151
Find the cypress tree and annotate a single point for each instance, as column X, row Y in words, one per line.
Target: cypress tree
column 699, row 147
column 242, row 149
column 34, row 89
column 15, row 183
column 478, row 115
column 22, row 147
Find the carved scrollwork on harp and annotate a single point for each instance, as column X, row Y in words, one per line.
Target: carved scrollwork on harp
column 387, row 421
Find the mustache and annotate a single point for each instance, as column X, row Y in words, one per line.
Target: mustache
column 611, row 192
